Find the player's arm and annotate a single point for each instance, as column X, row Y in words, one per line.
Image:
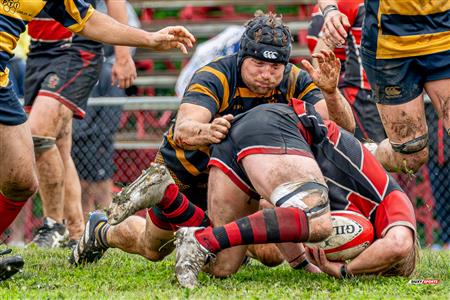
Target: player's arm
column 79, row 17
column 194, row 127
column 326, row 78
column 103, row 28
column 123, row 71
column 393, row 248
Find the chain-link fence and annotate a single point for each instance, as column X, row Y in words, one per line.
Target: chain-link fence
column 136, row 130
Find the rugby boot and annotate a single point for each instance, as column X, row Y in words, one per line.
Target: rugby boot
column 145, row 192
column 190, row 256
column 89, row 248
column 50, row 235
column 9, row 265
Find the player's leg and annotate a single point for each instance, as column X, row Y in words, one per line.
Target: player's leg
column 406, row 148
column 302, row 215
column 18, row 181
column 48, row 119
column 226, row 203
column 73, row 214
column 397, row 85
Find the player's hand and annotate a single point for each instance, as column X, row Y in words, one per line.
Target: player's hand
column 326, row 75
column 318, row 257
column 172, row 37
column 123, row 72
column 219, row 128
column 335, row 28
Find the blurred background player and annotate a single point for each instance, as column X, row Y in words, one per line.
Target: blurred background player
column 405, row 50
column 93, row 137
column 62, row 69
column 353, row 82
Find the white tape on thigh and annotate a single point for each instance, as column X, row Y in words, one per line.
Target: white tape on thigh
column 285, row 189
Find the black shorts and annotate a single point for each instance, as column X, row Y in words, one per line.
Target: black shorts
column 259, row 133
column 368, row 122
column 68, row 76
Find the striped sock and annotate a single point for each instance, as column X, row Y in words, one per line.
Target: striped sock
column 278, row 225
column 9, row 210
column 101, row 231
column 179, row 211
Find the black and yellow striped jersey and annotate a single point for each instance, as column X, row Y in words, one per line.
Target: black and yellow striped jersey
column 219, row 88
column 405, row 28
column 15, row 14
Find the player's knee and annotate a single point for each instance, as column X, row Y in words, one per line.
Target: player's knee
column 268, row 254
column 20, row 188
column 223, row 270
column 413, row 152
column 43, row 143
column 312, row 198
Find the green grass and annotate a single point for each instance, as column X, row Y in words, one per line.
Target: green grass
column 48, row 275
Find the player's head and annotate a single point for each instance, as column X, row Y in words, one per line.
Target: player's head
column 264, row 52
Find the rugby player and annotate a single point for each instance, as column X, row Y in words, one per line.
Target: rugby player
column 62, row 69
column 18, row 180
column 302, row 165
column 259, row 73
column 405, row 50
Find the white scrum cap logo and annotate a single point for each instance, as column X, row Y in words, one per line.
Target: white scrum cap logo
column 270, row 54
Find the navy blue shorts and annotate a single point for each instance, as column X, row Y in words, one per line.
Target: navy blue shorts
column 67, row 76
column 11, row 111
column 259, row 133
column 400, row 80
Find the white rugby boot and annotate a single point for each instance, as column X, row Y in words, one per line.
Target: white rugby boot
column 190, row 256
column 145, row 192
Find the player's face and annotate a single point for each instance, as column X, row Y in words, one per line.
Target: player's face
column 261, row 77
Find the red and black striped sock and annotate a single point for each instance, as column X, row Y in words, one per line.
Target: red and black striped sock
column 278, row 225
column 177, row 210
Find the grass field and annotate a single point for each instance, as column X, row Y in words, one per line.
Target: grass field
column 47, row 274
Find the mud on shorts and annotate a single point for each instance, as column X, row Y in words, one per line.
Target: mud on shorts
column 262, row 133
column 368, row 122
column 400, row 80
column 195, row 192
column 67, row 77
column 11, row 111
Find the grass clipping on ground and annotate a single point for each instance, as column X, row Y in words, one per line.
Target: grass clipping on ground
column 48, row 275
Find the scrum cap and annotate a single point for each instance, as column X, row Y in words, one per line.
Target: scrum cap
column 266, row 38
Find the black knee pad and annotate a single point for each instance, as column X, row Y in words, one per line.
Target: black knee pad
column 43, row 143
column 412, row 146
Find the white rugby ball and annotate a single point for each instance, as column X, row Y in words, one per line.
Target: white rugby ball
column 352, row 233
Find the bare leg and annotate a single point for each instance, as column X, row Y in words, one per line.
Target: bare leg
column 47, row 119
column 140, row 236
column 226, row 203
column 402, row 123
column 18, row 180
column 439, row 92
column 73, row 213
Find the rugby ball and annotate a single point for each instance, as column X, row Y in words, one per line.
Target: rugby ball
column 352, row 233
